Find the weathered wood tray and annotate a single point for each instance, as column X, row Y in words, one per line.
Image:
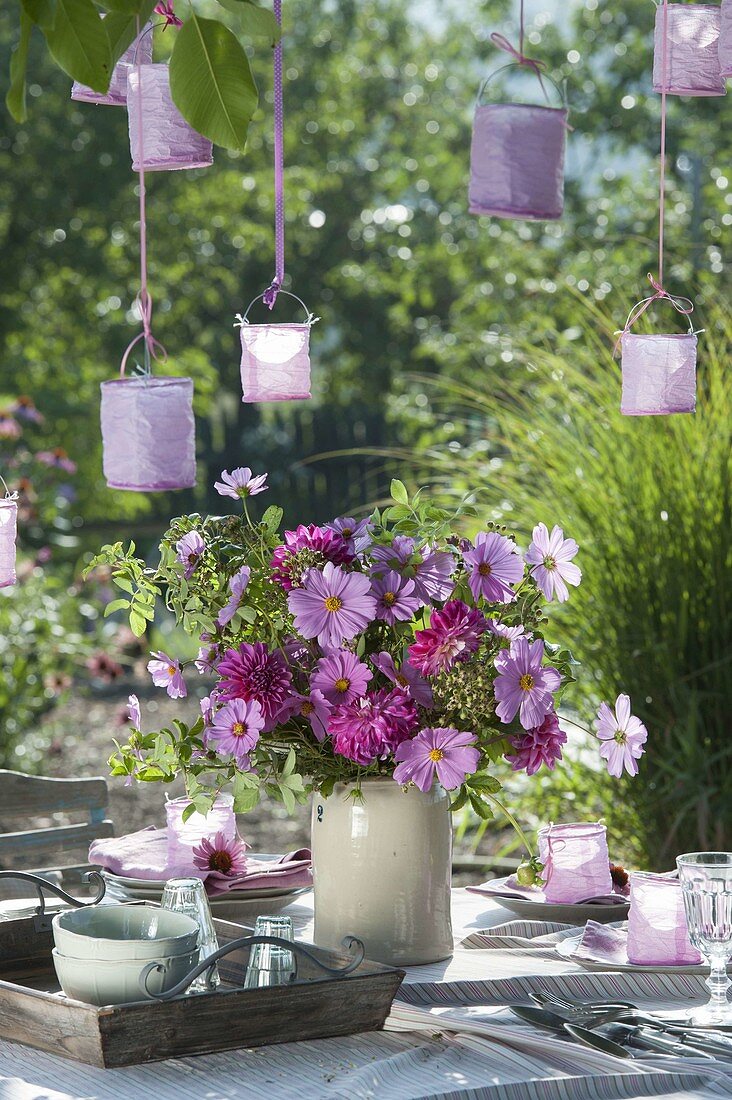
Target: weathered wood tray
column 34, row 1012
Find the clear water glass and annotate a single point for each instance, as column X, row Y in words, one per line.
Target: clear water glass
column 188, row 895
column 268, row 963
column 706, row 882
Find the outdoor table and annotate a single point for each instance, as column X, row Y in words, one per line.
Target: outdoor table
column 447, row 1037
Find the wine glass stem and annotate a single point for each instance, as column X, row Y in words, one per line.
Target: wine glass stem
column 718, row 983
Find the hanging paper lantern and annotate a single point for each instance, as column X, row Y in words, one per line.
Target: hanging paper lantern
column 149, row 433
column 8, row 531
column 725, row 40
column 659, row 373
column 168, row 142
column 141, row 50
column 692, row 50
column 275, row 359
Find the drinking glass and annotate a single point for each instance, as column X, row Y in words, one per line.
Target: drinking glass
column 269, row 964
column 706, row 881
column 187, row 895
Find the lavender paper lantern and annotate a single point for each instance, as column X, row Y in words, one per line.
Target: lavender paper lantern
column 168, row 142
column 659, row 373
column 658, row 934
column 8, row 531
column 725, row 40
column 148, row 432
column 692, row 50
column 184, row 836
column 141, row 50
column 275, row 358
column 576, row 862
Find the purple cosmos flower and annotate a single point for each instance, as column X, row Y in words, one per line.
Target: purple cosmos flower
column 251, row 672
column 397, row 555
column 623, row 737
column 495, row 565
column 551, row 559
column 406, row 678
column 511, row 633
column 453, row 634
column 326, row 544
column 395, row 598
column 443, row 752
column 190, row 548
column 541, row 745
column 9, row 428
column 341, row 677
column 356, row 533
column 24, row 408
column 523, row 685
column 166, row 672
column 237, row 587
column 57, row 459
column 431, row 570
column 315, row 707
column 372, row 727
column 207, row 657
column 240, row 483
column 332, row 606
column 235, row 729
column 133, row 711
column 223, row 858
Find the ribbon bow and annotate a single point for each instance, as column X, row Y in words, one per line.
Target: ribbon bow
column 502, row 43
column 153, row 348
column 270, row 295
column 682, row 305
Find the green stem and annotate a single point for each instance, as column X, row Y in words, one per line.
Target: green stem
column 507, row 813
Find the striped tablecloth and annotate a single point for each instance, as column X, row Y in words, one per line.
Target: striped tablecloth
column 448, row 1037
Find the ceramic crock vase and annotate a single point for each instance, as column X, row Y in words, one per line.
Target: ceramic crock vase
column 382, row 869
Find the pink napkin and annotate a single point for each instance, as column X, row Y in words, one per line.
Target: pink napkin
column 510, row 888
column 603, row 943
column 292, row 870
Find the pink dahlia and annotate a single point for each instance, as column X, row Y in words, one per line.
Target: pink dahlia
column 332, row 606
column 240, row 483
column 372, row 727
column 357, row 533
column 322, row 545
column 443, row 752
column 237, row 588
column 550, row 557
column 540, row 745
column 523, row 685
column 222, row 857
column 235, row 729
column 341, row 677
column 405, row 677
column 189, row 551
column 395, row 597
column 453, row 635
column 495, row 565
column 252, row 672
column 166, row 672
column 623, row 737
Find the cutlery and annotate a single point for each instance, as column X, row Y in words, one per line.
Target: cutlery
column 598, row 1042
column 625, row 1012
column 651, row 1041
column 541, row 1017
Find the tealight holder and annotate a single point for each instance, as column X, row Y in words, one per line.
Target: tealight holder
column 275, row 358
column 576, row 862
column 658, row 934
column 168, row 142
column 692, row 50
column 184, row 836
column 659, row 373
column 8, row 535
column 116, row 96
column 517, row 158
column 725, row 40
column 148, row 433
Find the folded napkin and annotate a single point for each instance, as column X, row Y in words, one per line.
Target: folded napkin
column 510, row 888
column 293, row 870
column 606, row 943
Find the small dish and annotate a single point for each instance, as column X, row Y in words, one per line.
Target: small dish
column 537, row 908
column 123, row 932
column 117, row 982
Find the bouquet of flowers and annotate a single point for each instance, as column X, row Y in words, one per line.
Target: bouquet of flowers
column 391, row 645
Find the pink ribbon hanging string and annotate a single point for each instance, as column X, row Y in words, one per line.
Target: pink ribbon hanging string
column 520, row 57
column 682, row 305
column 270, row 295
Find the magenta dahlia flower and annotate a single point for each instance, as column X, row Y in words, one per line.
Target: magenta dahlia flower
column 235, row 729
column 341, row 677
column 523, row 685
column 224, row 858
column 550, row 557
column 370, row 728
column 321, row 541
column 332, row 606
column 252, row 672
column 357, row 533
column 237, row 588
column 623, row 737
column 395, row 597
column 405, row 677
column 495, row 565
column 453, row 635
column 166, row 672
column 443, row 752
column 240, row 483
column 189, row 549
column 541, row 745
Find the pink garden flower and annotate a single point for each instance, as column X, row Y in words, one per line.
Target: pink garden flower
column 208, row 655
column 541, row 745
column 133, row 711
column 369, row 729
column 623, row 737
column 165, row 8
column 25, row 409
column 523, row 686
column 253, row 673
column 453, row 635
column 322, row 544
column 166, row 672
column 240, row 483
column 332, row 606
column 431, row 570
column 237, row 588
column 235, row 729
column 442, row 752
column 222, row 857
column 315, row 707
column 341, row 677
column 9, row 427
column 56, row 459
column 502, row 631
column 395, row 598
column 495, row 565
column 355, row 533
column 190, row 548
column 405, row 677
column 551, row 559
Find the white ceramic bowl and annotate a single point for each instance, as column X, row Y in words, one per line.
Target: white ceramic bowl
column 118, row 982
column 110, row 932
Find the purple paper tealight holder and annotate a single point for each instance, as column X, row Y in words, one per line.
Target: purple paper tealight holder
column 8, row 532
column 148, row 433
column 658, row 934
column 692, row 50
column 168, row 142
column 275, row 358
column 140, row 51
column 576, row 862
column 725, row 40
column 659, row 373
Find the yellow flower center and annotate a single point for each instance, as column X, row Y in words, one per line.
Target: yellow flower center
column 332, row 603
column 342, row 684
column 220, row 861
column 238, row 729
column 172, row 670
column 389, row 598
column 620, row 736
column 526, row 682
column 307, row 708
column 436, row 755
column 347, row 532
column 484, row 569
column 401, row 680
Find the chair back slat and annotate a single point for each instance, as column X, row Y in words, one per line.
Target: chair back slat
column 24, row 796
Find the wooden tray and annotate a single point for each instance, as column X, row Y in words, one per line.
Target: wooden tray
column 34, row 1012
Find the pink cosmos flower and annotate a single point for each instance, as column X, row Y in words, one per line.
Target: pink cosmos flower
column 166, row 672
column 315, row 707
column 395, row 598
column 133, row 711
column 623, row 737
column 190, row 548
column 372, row 727
column 24, row 408
column 405, row 677
column 235, row 729
column 9, row 428
column 237, row 587
column 341, row 677
column 495, row 565
column 356, row 533
column 58, row 459
column 443, row 752
column 223, row 858
column 453, row 634
column 502, row 631
column 252, row 672
column 332, row 606
column 541, row 745
column 240, row 483
column 551, row 559
column 208, row 655
column 165, row 8
column 522, row 685
column 431, row 570
column 329, row 545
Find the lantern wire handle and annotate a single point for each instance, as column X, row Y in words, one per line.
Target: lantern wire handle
column 502, row 43
column 8, row 494
column 270, row 295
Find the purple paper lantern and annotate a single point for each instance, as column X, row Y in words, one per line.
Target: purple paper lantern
column 692, row 50
column 184, row 836
column 149, row 433
column 141, row 50
column 575, row 860
column 725, row 40
column 275, row 358
column 658, row 934
column 8, row 531
column 168, row 142
column 659, row 373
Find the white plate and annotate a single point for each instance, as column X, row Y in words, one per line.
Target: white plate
column 153, row 883
column 231, row 895
column 568, row 946
column 563, row 914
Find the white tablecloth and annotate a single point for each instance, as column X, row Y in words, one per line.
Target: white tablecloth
column 432, row 1047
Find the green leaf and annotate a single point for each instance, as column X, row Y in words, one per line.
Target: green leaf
column 42, row 12
column 79, row 44
column 481, row 808
column 211, row 82
column 245, row 789
column 138, row 625
column 122, row 29
column 189, row 811
column 255, row 21
column 272, row 517
column 15, row 98
column 115, row 605
column 484, row 782
column 126, row 7
column 398, row 491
